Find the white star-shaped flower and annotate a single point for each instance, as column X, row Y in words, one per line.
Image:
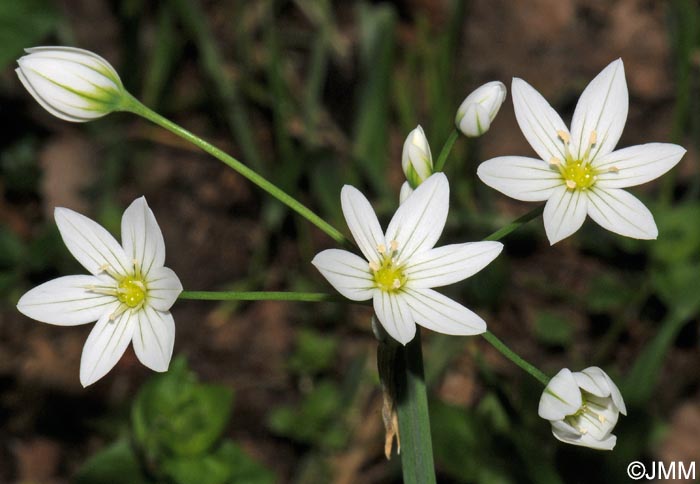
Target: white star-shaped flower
column 129, row 293
column 581, row 174
column 401, row 266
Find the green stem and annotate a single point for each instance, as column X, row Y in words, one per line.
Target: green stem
column 414, row 422
column 446, row 148
column 520, row 221
column 258, row 296
column 515, row 358
column 133, row 105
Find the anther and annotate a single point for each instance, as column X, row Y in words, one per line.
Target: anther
column 396, row 284
column 571, row 184
column 593, row 139
column 394, row 244
column 564, row 136
column 381, row 248
column 554, row 161
column 613, row 169
column 601, row 418
column 582, row 430
column 374, row 266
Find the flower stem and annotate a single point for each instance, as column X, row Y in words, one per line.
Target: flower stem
column 446, row 148
column 258, row 296
column 515, row 358
column 133, row 105
column 414, row 422
column 519, row 222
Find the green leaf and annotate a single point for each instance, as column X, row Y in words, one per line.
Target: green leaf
column 175, row 415
column 312, row 421
column 608, row 292
column 314, row 352
column 553, row 329
column 116, row 464
column 24, row 23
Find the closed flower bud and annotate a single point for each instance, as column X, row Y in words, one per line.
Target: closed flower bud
column 416, row 159
column 479, row 109
column 583, row 408
column 405, row 192
column 72, row 84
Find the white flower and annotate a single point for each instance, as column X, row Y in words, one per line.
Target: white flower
column 129, row 293
column 72, row 84
column 583, row 407
column 581, row 174
column 401, row 266
column 478, row 110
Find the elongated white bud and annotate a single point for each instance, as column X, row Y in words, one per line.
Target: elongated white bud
column 416, row 159
column 72, row 84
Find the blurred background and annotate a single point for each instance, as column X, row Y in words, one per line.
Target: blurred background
column 314, row 95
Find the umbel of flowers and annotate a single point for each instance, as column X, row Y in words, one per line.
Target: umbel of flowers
column 129, row 291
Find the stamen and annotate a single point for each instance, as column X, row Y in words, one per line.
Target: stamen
column 554, row 161
column 613, row 169
column 374, row 266
column 571, row 184
column 593, row 139
column 394, row 244
column 582, row 430
column 564, row 136
column 381, row 248
column 601, row 418
column 397, row 283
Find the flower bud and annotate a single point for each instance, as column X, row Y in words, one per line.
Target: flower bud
column 478, row 110
column 416, row 159
column 583, row 407
column 72, row 84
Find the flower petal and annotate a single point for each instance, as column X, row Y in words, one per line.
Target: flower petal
column 418, row 223
column 90, row 243
column 66, row 301
column 561, row 397
column 395, row 315
column 348, row 273
column 141, row 236
column 564, row 213
column 636, row 165
column 362, row 222
column 567, row 434
column 597, row 382
column 526, row 179
column 154, row 337
column 538, row 121
column 621, row 212
column 439, row 313
column 602, row 108
column 105, row 346
column 163, row 288
column 450, row 263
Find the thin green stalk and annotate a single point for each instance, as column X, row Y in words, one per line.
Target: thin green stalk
column 446, row 148
column 519, row 222
column 515, row 358
column 133, row 105
column 258, row 296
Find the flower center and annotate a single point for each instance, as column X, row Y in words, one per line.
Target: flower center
column 131, row 291
column 588, row 417
column 577, row 173
column 388, row 275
